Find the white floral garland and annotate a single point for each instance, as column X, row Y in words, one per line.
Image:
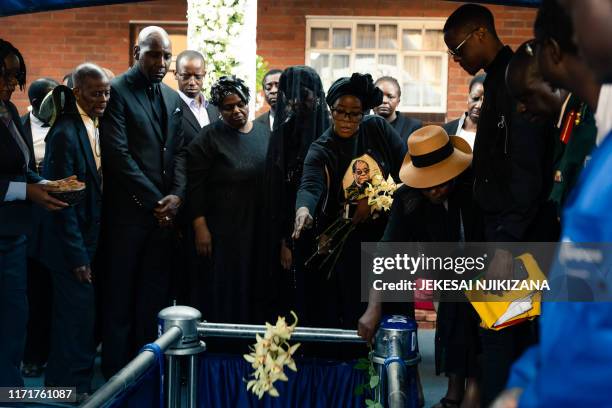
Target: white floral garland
column 212, row 24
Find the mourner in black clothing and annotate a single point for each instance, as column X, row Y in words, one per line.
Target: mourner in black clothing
column 225, row 169
column 403, row 124
column 69, row 237
column 301, row 118
column 39, row 280
column 322, row 194
column 144, row 185
column 19, row 185
column 466, row 125
column 435, row 205
column 197, row 111
column 512, row 164
column 270, row 84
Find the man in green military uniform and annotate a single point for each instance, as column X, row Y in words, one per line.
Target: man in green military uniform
column 561, row 65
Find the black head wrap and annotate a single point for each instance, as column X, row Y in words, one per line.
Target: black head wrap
column 359, row 85
column 228, row 85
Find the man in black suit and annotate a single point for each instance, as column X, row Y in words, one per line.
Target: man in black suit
column 403, row 124
column 197, row 112
column 18, row 185
column 35, row 127
column 39, row 279
column 144, row 184
column 270, row 86
column 70, row 236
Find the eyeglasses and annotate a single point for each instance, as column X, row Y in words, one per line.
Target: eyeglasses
column 350, row 116
column 187, row 77
column 455, row 51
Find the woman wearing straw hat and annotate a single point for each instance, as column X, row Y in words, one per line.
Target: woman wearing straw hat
column 435, row 205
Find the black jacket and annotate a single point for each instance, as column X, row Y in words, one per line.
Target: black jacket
column 15, row 216
column 405, row 125
column 264, row 119
column 69, row 237
column 191, row 126
column 451, row 127
column 142, row 158
column 512, row 163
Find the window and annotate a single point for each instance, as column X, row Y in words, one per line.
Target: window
column 410, row 50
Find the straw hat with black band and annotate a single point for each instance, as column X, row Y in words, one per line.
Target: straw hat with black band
column 434, row 158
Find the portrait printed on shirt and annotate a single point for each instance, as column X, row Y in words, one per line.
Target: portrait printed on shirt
column 357, row 177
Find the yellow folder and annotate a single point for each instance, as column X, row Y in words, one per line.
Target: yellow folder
column 512, row 307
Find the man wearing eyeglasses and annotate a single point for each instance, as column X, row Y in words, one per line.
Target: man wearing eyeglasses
column 511, row 167
column 197, row 112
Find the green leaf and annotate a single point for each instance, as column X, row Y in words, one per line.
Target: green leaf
column 374, row 380
column 359, row 390
column 370, row 403
column 362, row 364
column 377, row 405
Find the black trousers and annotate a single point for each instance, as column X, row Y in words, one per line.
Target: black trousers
column 138, row 261
column 500, row 349
column 72, row 351
column 13, row 309
column 39, row 321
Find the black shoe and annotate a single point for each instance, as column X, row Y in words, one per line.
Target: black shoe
column 31, row 370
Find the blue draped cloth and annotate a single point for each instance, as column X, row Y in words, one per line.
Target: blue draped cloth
column 317, row 383
column 222, row 383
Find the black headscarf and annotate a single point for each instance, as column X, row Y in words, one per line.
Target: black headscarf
column 228, row 85
column 359, row 85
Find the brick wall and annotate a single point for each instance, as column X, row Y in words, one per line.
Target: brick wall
column 281, row 30
column 54, row 43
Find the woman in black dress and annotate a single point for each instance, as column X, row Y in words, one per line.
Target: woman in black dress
column 301, row 117
column 224, row 171
column 334, row 162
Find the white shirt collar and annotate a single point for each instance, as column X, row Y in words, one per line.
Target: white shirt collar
column 603, row 114
column 562, row 113
column 189, row 101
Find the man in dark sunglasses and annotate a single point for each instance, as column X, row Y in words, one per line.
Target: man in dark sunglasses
column 511, row 176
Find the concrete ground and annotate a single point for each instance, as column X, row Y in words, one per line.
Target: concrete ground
column 434, row 387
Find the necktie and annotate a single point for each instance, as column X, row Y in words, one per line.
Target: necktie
column 153, row 92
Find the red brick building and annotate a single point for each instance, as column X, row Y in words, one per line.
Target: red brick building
column 399, row 37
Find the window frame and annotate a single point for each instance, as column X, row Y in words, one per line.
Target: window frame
column 422, row 23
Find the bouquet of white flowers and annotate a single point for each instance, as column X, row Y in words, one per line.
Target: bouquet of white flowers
column 270, row 354
column 379, row 193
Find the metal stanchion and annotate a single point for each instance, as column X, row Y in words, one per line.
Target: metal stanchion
column 193, row 382
column 183, row 351
column 396, row 356
column 206, row 329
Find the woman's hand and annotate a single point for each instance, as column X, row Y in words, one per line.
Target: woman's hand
column 362, row 212
column 286, row 258
column 303, row 220
column 203, row 239
column 366, row 327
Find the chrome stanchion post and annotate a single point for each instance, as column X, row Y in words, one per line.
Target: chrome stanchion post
column 192, row 387
column 396, row 356
column 189, row 345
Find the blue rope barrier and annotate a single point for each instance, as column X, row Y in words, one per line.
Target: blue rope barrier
column 394, row 359
column 159, row 356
